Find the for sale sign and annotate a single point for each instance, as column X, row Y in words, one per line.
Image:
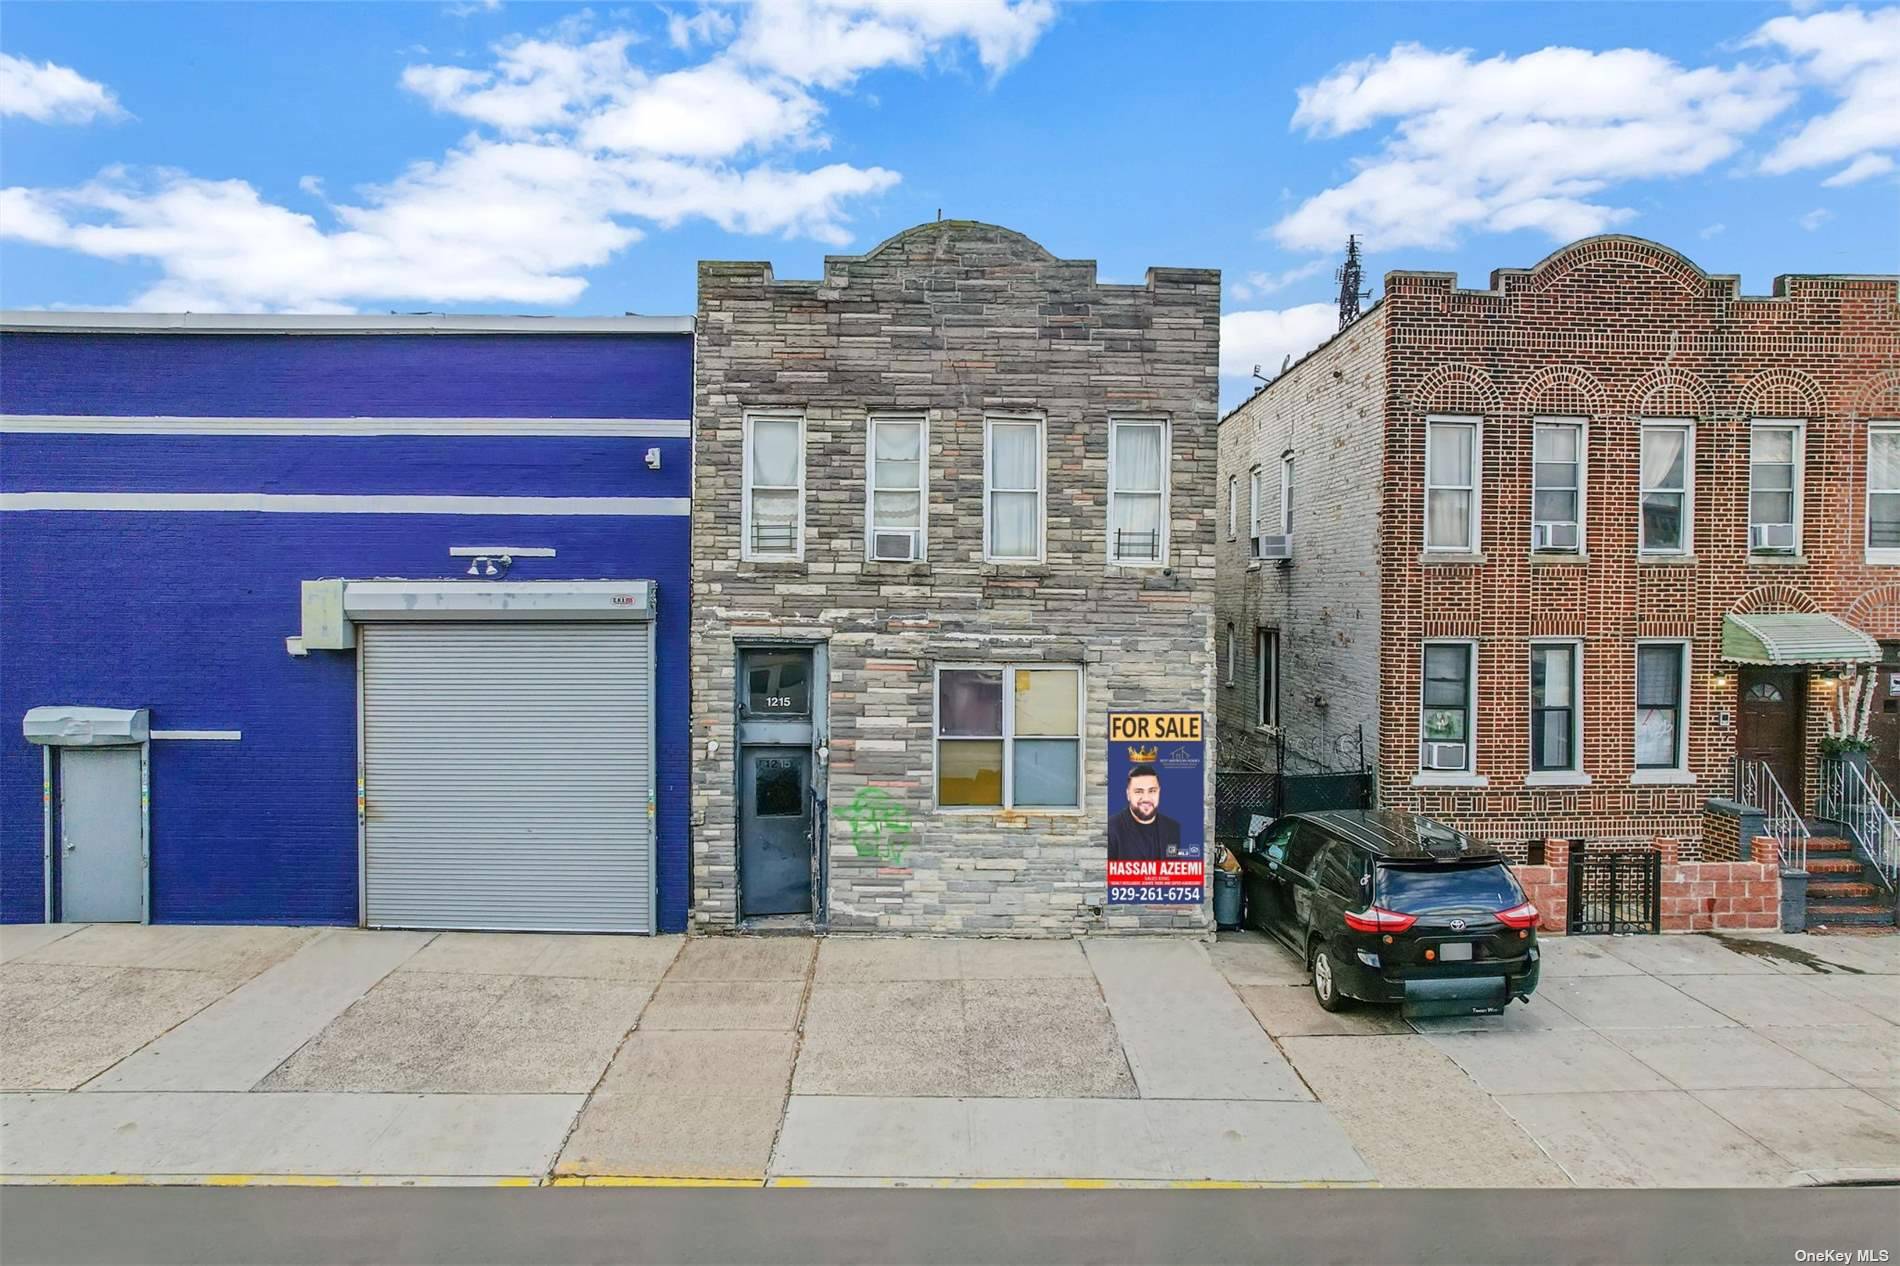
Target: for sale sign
column 1157, row 850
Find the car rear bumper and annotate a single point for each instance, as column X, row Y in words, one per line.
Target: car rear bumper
column 1466, row 992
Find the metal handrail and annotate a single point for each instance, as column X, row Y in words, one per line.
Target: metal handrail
column 1860, row 800
column 1757, row 787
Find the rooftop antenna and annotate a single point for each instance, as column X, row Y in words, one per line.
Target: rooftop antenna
column 1257, row 374
column 1350, row 277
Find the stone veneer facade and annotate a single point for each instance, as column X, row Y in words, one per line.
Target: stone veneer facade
column 955, row 321
column 1611, row 331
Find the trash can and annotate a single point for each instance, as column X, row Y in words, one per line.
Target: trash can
column 1227, row 898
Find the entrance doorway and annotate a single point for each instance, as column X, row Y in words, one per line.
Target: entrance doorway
column 779, row 784
column 1883, row 720
column 1772, row 704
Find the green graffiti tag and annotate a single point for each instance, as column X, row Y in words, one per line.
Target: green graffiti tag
column 880, row 825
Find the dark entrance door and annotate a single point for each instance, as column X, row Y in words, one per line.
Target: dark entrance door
column 1883, row 722
column 775, row 841
column 1772, row 703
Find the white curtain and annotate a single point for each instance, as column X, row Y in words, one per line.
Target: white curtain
column 1883, row 460
column 1663, row 449
column 1448, row 518
column 899, row 455
column 1015, row 490
column 1450, row 459
column 1137, row 458
column 775, row 455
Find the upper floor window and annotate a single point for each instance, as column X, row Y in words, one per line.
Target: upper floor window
column 1451, row 485
column 1557, row 488
column 1286, row 495
column 1668, row 458
column 1009, row 736
column 1774, row 488
column 895, row 518
column 1267, row 678
column 1012, row 490
column 1230, row 654
column 1883, row 492
column 1446, row 701
column 1233, row 507
column 1253, row 512
column 1137, row 491
column 773, row 510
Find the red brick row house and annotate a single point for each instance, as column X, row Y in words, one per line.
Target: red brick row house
column 1566, row 547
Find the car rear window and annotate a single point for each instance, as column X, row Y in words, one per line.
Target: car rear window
column 1427, row 889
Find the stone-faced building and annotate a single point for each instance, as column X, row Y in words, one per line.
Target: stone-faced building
column 1567, row 546
column 954, row 505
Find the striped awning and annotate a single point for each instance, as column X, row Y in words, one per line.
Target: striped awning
column 1784, row 637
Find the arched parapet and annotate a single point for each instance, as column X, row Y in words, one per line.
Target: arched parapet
column 1456, row 388
column 1563, row 390
column 1781, row 393
column 1671, row 393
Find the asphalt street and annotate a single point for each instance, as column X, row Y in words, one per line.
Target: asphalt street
column 155, row 1226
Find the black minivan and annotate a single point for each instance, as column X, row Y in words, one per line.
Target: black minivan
column 1393, row 907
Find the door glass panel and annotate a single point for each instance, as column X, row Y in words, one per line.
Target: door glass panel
column 778, row 683
column 778, row 787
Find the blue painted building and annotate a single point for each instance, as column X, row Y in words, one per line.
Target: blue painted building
column 405, row 600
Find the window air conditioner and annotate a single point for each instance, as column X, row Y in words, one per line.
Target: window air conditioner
column 1253, row 545
column 1444, row 756
column 1554, row 538
column 1276, row 547
column 1771, row 536
column 894, row 546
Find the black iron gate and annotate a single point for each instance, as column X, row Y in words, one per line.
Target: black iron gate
column 1615, row 891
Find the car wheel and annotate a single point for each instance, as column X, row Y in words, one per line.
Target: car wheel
column 1326, row 981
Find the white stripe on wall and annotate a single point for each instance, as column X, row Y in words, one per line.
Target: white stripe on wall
column 299, row 503
column 641, row 428
column 210, row 736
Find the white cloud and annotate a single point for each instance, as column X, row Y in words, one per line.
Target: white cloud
column 1712, row 231
column 829, row 43
column 1259, row 284
column 1814, row 219
column 575, row 147
column 708, row 26
column 1516, row 142
column 1266, row 337
column 1855, row 56
column 47, row 93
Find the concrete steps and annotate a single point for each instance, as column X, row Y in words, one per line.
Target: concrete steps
column 1846, row 890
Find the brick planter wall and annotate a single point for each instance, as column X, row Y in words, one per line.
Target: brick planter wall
column 1696, row 896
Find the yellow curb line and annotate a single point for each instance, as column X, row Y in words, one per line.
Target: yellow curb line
column 257, row 1180
column 641, row 1180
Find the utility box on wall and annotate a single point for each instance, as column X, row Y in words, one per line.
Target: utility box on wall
column 326, row 626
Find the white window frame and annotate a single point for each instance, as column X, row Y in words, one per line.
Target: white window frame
column 990, row 423
column 1253, row 513
column 1233, row 507
column 1573, row 775
column 1875, row 554
column 747, row 552
column 922, row 423
column 1009, row 739
column 1115, row 423
column 1474, row 521
column 1678, row 772
column 1582, row 428
column 1286, row 494
column 1231, row 639
column 1688, row 428
column 1468, row 776
column 1266, row 678
column 1798, row 462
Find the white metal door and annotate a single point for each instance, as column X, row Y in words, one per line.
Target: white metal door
column 102, row 835
column 508, row 776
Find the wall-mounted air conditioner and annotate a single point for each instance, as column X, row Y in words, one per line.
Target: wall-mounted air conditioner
column 1771, row 536
column 894, row 545
column 1443, row 755
column 1280, row 547
column 1554, row 538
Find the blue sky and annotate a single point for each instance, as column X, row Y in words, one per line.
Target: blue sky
column 548, row 158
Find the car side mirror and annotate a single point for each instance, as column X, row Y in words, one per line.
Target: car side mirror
column 1275, row 855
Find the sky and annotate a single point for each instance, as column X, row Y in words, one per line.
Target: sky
column 476, row 156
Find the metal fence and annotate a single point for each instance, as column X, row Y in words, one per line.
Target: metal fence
column 1615, row 891
column 1241, row 794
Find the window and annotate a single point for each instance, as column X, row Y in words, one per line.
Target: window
column 1253, row 512
column 1774, row 488
column 1660, row 678
column 1267, row 677
column 1557, row 488
column 895, row 516
column 1233, row 507
column 1137, row 491
column 1444, row 722
column 1230, row 654
column 1012, row 490
column 1883, row 492
column 773, row 512
column 1554, row 711
column 1451, row 485
column 777, row 684
column 1668, row 458
column 1286, row 495
column 1009, row 737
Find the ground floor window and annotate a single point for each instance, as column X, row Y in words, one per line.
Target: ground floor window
column 1660, row 677
column 1445, row 705
column 1009, row 736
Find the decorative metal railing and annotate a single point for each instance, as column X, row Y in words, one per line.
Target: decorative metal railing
column 1860, row 800
column 1757, row 787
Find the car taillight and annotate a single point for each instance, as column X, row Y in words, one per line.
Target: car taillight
column 1518, row 916
column 1378, row 919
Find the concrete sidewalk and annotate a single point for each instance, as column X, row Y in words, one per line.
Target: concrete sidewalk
column 274, row 1054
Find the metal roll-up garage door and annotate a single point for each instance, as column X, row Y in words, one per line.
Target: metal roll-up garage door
column 508, row 775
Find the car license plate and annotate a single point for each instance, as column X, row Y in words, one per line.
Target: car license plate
column 1455, row 952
